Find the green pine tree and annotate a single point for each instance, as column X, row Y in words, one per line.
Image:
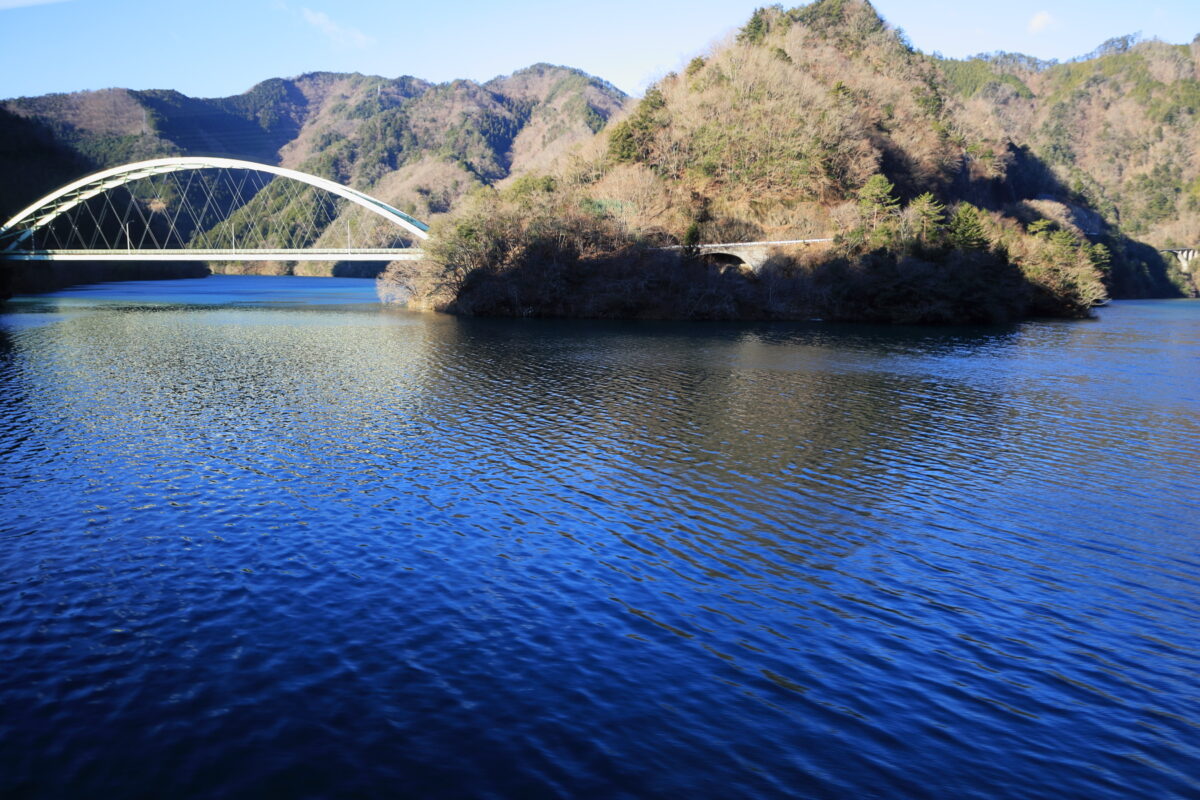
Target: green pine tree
column 756, row 29
column 966, row 229
column 928, row 214
column 876, row 200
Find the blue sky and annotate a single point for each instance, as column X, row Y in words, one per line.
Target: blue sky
column 211, row 48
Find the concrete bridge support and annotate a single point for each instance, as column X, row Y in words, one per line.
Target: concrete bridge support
column 1187, row 258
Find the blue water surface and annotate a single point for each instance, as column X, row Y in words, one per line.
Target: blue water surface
column 263, row 537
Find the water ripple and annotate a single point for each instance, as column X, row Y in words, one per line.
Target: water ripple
column 343, row 551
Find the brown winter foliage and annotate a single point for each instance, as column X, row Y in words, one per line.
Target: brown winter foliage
column 1121, row 128
column 819, row 121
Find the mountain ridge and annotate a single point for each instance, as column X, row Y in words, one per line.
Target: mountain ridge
column 349, row 127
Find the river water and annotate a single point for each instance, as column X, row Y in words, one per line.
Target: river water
column 262, row 537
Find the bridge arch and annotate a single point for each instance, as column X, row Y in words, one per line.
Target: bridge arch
column 47, row 209
column 723, row 259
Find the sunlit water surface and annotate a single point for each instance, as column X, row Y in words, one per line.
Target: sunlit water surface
column 263, row 537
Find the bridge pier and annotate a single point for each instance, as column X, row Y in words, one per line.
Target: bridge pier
column 1186, row 256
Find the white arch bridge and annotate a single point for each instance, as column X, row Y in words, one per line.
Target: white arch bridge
column 209, row 209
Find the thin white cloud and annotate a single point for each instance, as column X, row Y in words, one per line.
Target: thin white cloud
column 1040, row 22
column 340, row 35
column 5, row 5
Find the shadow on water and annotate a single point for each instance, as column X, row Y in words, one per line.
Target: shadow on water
column 756, row 420
column 359, row 269
column 841, row 334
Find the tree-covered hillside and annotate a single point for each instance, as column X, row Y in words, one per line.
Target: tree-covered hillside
column 1119, row 128
column 32, row 159
column 816, row 121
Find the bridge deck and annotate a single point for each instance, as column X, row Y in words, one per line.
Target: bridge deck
column 316, row 254
column 301, row 254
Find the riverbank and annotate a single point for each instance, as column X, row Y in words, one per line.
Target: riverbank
column 38, row 277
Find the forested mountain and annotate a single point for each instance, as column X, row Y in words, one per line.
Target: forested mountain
column 820, row 120
column 784, row 125
column 417, row 145
column 33, row 161
column 1119, row 128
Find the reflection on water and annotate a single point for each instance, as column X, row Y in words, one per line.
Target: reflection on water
column 332, row 549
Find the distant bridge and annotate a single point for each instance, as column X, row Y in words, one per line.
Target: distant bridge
column 1186, row 257
column 752, row 254
column 187, row 209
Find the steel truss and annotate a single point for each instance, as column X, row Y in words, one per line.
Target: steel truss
column 187, row 208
